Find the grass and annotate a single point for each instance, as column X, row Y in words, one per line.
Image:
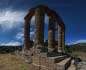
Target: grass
column 12, row 62
column 82, row 55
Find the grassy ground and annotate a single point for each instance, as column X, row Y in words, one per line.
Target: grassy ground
column 82, row 55
column 12, row 62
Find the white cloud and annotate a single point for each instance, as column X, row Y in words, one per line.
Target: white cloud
column 14, row 19
column 10, row 19
column 46, row 19
column 12, row 16
column 80, row 41
column 12, row 43
column 76, row 42
column 32, row 33
column 20, row 35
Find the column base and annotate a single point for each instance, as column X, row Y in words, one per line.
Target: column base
column 60, row 50
column 51, row 49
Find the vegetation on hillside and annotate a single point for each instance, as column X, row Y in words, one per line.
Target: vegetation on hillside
column 81, row 47
column 8, row 49
column 78, row 50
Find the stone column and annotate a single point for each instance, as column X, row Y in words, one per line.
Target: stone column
column 63, row 40
column 51, row 35
column 39, row 27
column 27, row 34
column 59, row 38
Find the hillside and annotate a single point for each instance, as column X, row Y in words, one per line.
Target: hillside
column 78, row 50
column 78, row 47
column 7, row 49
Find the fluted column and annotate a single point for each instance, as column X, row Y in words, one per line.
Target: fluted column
column 63, row 40
column 59, row 38
column 27, row 34
column 51, row 35
column 39, row 27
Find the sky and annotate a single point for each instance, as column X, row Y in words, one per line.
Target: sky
column 12, row 13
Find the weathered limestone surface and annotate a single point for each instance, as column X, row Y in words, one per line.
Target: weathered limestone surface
column 59, row 38
column 63, row 64
column 51, row 35
column 39, row 27
column 41, row 60
column 82, row 65
column 39, row 13
column 27, row 34
column 51, row 63
column 72, row 66
column 57, row 59
column 63, row 40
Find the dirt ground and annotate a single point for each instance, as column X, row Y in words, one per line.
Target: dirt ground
column 12, row 62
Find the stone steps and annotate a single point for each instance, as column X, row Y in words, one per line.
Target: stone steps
column 72, row 66
column 40, row 67
column 44, row 60
column 57, row 58
column 64, row 64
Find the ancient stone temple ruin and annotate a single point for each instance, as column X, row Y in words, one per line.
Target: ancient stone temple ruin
column 54, row 58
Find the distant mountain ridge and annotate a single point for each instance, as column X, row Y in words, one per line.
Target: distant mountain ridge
column 78, row 47
column 7, row 49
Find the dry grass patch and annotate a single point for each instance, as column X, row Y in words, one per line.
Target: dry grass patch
column 82, row 55
column 12, row 62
